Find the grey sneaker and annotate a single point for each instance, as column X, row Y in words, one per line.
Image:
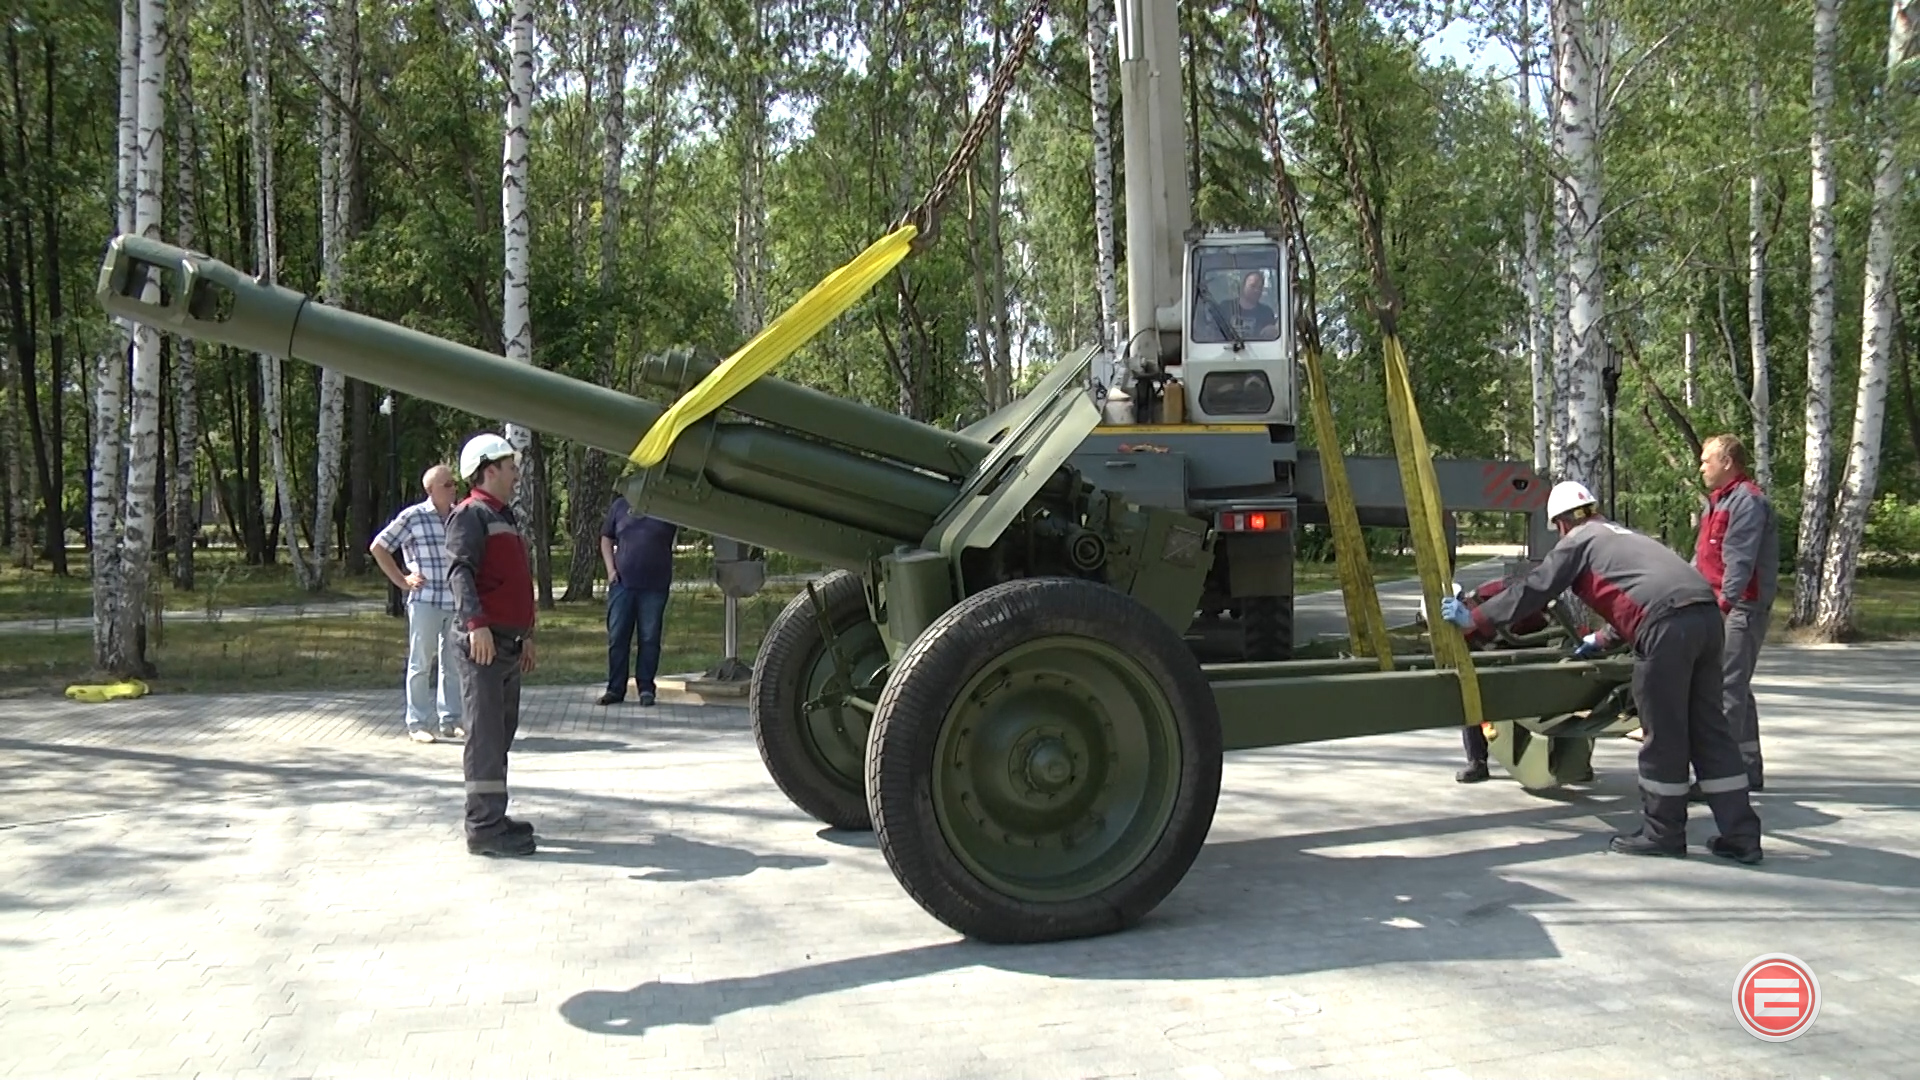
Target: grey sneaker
column 452, row 731
column 646, row 698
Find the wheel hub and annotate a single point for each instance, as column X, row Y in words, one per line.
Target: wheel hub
column 1054, row 766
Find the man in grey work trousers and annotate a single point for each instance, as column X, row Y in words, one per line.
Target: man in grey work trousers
column 1738, row 552
column 493, row 602
column 1652, row 598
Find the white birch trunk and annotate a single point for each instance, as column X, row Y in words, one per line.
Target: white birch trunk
column 125, row 653
column 1109, row 332
column 516, row 327
column 1816, row 477
column 1759, row 397
column 1834, row 616
column 1578, row 117
column 333, row 384
column 186, row 411
column 110, row 375
column 1690, row 369
column 266, row 248
column 749, row 218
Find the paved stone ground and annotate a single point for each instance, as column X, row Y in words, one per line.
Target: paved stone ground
column 274, row 885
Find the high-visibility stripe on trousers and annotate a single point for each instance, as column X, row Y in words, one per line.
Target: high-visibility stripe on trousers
column 490, row 696
column 1677, row 686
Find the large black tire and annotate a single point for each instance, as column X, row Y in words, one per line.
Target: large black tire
column 1267, row 622
column 1078, row 693
column 817, row 758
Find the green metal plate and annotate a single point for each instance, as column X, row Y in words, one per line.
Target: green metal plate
column 1282, row 710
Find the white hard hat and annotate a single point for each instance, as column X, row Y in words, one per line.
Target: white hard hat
column 481, row 449
column 1568, row 495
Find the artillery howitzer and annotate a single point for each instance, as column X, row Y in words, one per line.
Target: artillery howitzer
column 995, row 679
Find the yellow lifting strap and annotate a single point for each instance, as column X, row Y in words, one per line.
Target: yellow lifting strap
column 103, row 692
column 795, row 327
column 1366, row 625
column 1429, row 537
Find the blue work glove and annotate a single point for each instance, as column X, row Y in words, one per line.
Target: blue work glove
column 1589, row 647
column 1457, row 613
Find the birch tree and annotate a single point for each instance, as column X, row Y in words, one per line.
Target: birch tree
column 516, row 326
column 750, row 137
column 333, row 384
column 1833, row 618
column 266, row 249
column 1578, row 135
column 1760, row 395
column 1109, row 332
column 1816, row 478
column 1535, row 335
column 126, row 641
column 110, row 374
column 186, row 429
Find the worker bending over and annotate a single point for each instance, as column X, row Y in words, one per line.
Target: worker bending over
column 1653, row 599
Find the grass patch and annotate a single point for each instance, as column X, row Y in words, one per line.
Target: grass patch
column 344, row 652
column 1886, row 607
column 221, row 580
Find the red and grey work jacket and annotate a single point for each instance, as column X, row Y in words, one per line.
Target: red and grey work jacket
column 1474, row 597
column 491, row 584
column 1627, row 579
column 1738, row 550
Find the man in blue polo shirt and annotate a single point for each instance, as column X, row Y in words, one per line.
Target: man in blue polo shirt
column 638, row 553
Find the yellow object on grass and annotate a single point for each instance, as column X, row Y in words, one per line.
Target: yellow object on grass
column 1423, row 514
column 794, row 328
column 94, row 695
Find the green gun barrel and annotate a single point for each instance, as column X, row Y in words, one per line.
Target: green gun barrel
column 823, row 416
column 752, row 482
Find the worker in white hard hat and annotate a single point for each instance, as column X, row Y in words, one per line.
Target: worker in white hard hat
column 493, row 610
column 1654, row 600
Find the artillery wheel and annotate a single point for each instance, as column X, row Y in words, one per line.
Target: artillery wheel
column 817, row 755
column 1268, row 623
column 1044, row 762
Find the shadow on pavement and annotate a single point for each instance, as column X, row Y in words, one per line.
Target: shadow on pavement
column 1291, row 908
column 669, row 858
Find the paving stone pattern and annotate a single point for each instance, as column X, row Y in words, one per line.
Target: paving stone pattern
column 274, row 885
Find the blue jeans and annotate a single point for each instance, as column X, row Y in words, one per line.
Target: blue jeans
column 629, row 610
column 430, row 636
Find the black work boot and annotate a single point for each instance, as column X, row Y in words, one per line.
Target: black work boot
column 516, row 827
column 1639, row 844
column 1727, row 849
column 1476, row 773
column 502, row 845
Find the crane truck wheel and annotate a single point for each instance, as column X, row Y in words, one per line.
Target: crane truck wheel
column 817, row 755
column 1045, row 762
column 1268, row 624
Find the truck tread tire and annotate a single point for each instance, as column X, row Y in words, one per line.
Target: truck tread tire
column 1268, row 625
column 791, row 650
column 923, row 697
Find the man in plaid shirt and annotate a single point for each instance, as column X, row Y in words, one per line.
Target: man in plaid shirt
column 419, row 534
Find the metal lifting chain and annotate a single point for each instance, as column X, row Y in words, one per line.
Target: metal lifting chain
column 925, row 217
